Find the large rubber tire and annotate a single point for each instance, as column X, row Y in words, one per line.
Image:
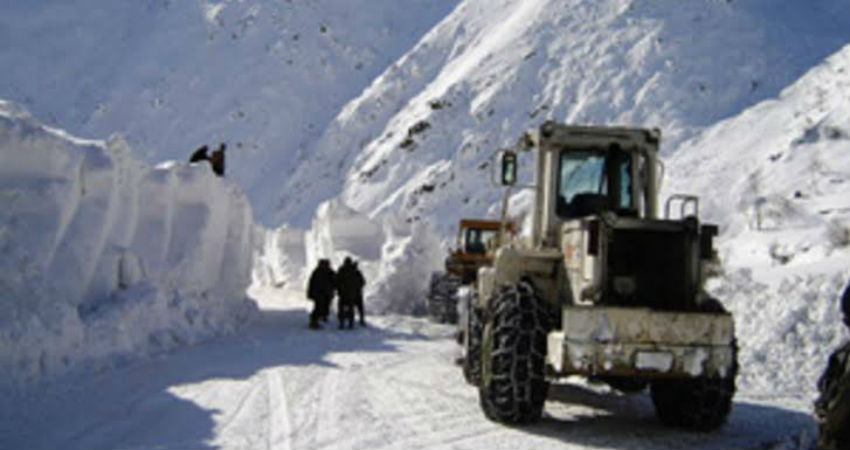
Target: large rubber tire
column 701, row 404
column 442, row 297
column 472, row 343
column 514, row 387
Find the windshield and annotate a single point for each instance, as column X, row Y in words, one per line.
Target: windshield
column 477, row 240
column 583, row 181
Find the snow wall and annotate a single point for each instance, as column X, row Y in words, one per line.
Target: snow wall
column 105, row 257
column 395, row 255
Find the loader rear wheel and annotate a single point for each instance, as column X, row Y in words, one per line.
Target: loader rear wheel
column 442, row 297
column 513, row 387
column 701, row 404
column 472, row 341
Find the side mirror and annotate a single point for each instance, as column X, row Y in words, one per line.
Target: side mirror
column 509, row 166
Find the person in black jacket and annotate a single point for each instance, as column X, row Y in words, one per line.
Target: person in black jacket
column 217, row 160
column 358, row 295
column 321, row 289
column 350, row 284
column 199, row 155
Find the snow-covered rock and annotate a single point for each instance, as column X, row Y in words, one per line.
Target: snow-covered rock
column 105, row 257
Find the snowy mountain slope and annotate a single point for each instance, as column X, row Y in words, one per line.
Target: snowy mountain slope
column 418, row 140
column 777, row 180
column 264, row 76
column 105, row 258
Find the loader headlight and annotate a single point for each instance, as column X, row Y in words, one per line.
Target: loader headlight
column 625, row 286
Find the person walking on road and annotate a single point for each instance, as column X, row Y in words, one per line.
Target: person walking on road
column 321, row 289
column 358, row 297
column 350, row 284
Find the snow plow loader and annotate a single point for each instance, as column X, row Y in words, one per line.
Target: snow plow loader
column 474, row 238
column 605, row 287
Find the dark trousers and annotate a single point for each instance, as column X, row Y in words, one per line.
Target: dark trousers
column 321, row 309
column 345, row 313
column 358, row 303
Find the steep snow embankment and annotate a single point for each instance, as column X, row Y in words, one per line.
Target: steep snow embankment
column 417, row 144
column 418, row 141
column 265, row 76
column 106, row 258
column 777, row 180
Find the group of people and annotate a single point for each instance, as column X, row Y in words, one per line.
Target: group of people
column 347, row 283
column 216, row 158
column 832, row 407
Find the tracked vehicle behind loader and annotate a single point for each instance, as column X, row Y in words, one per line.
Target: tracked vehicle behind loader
column 606, row 287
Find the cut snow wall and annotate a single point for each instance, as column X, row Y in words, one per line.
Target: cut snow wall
column 105, row 257
column 396, row 257
column 281, row 258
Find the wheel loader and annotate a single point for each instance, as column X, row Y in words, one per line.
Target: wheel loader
column 470, row 253
column 606, row 287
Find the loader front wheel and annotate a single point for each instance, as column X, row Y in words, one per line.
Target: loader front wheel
column 513, row 386
column 702, row 403
column 442, row 297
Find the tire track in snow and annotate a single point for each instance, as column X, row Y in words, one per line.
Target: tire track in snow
column 327, row 416
column 279, row 425
column 239, row 411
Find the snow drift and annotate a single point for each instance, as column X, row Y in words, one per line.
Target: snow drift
column 105, row 257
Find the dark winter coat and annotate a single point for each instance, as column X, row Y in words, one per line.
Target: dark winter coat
column 845, row 304
column 217, row 160
column 322, row 284
column 199, row 155
column 350, row 283
column 833, row 405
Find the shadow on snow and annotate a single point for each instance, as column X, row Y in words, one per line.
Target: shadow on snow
column 582, row 416
column 135, row 407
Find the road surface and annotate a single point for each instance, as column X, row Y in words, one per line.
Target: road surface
column 391, row 385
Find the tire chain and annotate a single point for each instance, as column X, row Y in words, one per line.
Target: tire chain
column 516, row 389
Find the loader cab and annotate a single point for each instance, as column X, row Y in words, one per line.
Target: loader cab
column 478, row 240
column 592, row 180
column 584, row 171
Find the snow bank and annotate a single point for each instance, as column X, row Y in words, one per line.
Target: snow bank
column 105, row 258
column 281, row 258
column 777, row 180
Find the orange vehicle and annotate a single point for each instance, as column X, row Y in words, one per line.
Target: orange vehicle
column 474, row 240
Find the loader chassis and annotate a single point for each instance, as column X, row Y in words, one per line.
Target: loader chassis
column 605, row 287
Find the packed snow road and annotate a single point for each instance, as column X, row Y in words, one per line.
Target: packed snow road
column 393, row 384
